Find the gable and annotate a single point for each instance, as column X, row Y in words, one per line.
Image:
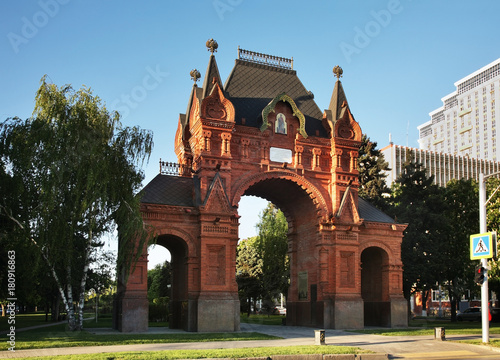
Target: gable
column 348, row 211
column 216, row 200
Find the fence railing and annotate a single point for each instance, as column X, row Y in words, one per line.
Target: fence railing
column 266, row 59
column 175, row 169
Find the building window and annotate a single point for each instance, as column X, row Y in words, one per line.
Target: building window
column 444, row 295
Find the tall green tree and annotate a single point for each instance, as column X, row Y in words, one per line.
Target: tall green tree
column 372, row 169
column 462, row 215
column 419, row 203
column 493, row 224
column 272, row 244
column 248, row 273
column 159, row 281
column 75, row 171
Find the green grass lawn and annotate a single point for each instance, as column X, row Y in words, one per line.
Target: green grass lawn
column 23, row 320
column 34, row 319
column 213, row 354
column 57, row 336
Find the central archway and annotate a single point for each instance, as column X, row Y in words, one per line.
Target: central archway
column 300, row 202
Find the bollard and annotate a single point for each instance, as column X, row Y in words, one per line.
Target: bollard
column 439, row 334
column 319, row 337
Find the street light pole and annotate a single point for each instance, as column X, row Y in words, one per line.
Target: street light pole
column 484, row 263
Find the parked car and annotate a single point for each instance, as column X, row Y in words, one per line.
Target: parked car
column 470, row 314
column 280, row 310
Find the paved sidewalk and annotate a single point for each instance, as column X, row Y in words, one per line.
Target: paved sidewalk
column 416, row 347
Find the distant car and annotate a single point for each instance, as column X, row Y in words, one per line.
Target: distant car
column 470, row 314
column 495, row 314
column 280, row 310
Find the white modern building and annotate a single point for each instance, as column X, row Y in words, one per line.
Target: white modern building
column 466, row 124
column 443, row 166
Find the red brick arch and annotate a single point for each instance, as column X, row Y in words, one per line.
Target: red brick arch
column 182, row 234
column 376, row 244
column 227, row 149
column 315, row 195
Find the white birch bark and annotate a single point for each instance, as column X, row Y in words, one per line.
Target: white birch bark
column 81, row 301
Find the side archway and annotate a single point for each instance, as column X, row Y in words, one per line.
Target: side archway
column 375, row 286
column 178, row 302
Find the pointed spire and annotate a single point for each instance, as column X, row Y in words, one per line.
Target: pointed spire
column 212, row 75
column 338, row 100
column 195, row 76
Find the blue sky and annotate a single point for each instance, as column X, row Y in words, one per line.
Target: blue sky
column 399, row 57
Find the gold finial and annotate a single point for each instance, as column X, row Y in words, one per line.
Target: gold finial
column 195, row 75
column 337, row 70
column 212, row 45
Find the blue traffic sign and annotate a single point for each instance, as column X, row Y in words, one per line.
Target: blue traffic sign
column 481, row 246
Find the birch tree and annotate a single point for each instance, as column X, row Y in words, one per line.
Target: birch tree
column 77, row 172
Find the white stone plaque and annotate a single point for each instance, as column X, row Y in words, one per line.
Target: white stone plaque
column 280, row 155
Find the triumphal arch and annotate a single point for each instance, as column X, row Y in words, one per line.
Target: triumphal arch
column 261, row 133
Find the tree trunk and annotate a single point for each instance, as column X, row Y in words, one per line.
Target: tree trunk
column 425, row 295
column 67, row 300
column 70, row 307
column 453, row 303
column 97, row 307
column 56, row 308
column 249, row 305
column 81, row 300
column 83, row 281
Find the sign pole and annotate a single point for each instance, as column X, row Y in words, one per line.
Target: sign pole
column 484, row 262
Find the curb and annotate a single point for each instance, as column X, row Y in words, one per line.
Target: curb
column 322, row 357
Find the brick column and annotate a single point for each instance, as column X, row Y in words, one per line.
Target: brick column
column 131, row 305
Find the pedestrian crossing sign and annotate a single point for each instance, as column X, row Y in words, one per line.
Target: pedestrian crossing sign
column 483, row 246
